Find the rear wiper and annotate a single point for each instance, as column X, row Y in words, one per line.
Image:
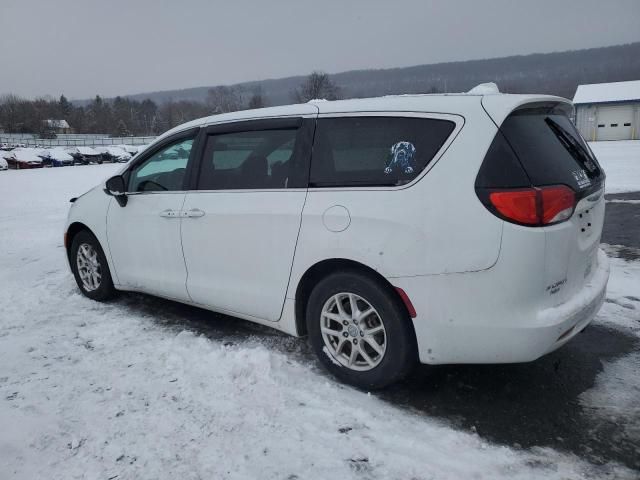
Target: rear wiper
column 575, row 149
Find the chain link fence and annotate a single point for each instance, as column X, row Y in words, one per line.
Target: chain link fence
column 71, row 140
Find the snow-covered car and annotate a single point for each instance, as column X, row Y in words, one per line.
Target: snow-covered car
column 138, row 149
column 3, row 163
column 84, row 155
column 113, row 154
column 387, row 233
column 21, row 158
column 56, row 157
column 130, row 149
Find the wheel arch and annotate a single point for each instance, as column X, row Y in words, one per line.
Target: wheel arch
column 322, row 269
column 72, row 230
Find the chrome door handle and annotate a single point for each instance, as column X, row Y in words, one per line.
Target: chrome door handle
column 168, row 213
column 194, row 213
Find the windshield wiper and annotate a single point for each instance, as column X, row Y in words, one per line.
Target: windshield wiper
column 576, row 150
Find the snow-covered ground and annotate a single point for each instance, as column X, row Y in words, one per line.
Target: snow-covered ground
column 616, row 395
column 621, row 162
column 127, row 390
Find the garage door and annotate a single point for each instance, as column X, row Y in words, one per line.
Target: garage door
column 614, row 123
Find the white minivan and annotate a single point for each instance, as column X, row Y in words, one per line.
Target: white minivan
column 456, row 228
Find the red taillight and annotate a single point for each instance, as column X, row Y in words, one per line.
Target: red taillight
column 536, row 205
column 517, row 205
column 557, row 204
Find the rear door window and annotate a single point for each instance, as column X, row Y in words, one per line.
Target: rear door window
column 260, row 159
column 550, row 148
column 374, row 151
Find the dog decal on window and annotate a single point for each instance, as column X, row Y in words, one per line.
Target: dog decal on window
column 402, row 156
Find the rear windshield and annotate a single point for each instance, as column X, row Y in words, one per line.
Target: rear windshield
column 374, row 151
column 550, row 148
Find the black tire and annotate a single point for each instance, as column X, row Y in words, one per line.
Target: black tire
column 105, row 291
column 401, row 351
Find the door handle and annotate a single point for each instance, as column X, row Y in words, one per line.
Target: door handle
column 194, row 213
column 168, row 213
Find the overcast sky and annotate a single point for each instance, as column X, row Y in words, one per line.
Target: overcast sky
column 110, row 47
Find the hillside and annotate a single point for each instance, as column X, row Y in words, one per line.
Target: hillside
column 552, row 73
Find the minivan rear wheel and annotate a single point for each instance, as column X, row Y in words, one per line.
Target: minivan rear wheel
column 360, row 331
column 90, row 268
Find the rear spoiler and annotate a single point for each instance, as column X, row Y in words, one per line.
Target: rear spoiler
column 498, row 107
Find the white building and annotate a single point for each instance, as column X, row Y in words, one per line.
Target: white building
column 57, row 126
column 608, row 111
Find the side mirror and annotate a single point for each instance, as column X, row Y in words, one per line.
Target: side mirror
column 116, row 187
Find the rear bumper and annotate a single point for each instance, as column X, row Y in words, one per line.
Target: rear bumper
column 573, row 316
column 466, row 319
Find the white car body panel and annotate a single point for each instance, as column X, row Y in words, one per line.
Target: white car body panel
column 90, row 210
column 248, row 239
column 479, row 284
column 384, row 231
column 145, row 247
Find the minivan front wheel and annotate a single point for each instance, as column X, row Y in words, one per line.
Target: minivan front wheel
column 90, row 267
column 360, row 331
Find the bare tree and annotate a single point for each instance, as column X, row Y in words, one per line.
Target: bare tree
column 224, row 99
column 13, row 112
column 318, row 85
column 64, row 106
column 257, row 98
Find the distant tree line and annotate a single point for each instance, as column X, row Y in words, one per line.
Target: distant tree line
column 123, row 116
column 117, row 117
column 120, row 116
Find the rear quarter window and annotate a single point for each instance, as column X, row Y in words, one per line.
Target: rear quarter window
column 374, row 151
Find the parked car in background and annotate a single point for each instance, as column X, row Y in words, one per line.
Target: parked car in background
column 84, row 155
column 113, row 154
column 3, row 163
column 386, row 232
column 21, row 158
column 56, row 157
column 139, row 148
column 104, row 153
column 130, row 149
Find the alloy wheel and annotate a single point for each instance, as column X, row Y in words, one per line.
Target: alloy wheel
column 89, row 268
column 353, row 331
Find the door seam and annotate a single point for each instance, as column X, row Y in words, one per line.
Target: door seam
column 304, row 203
column 184, row 259
column 106, row 230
